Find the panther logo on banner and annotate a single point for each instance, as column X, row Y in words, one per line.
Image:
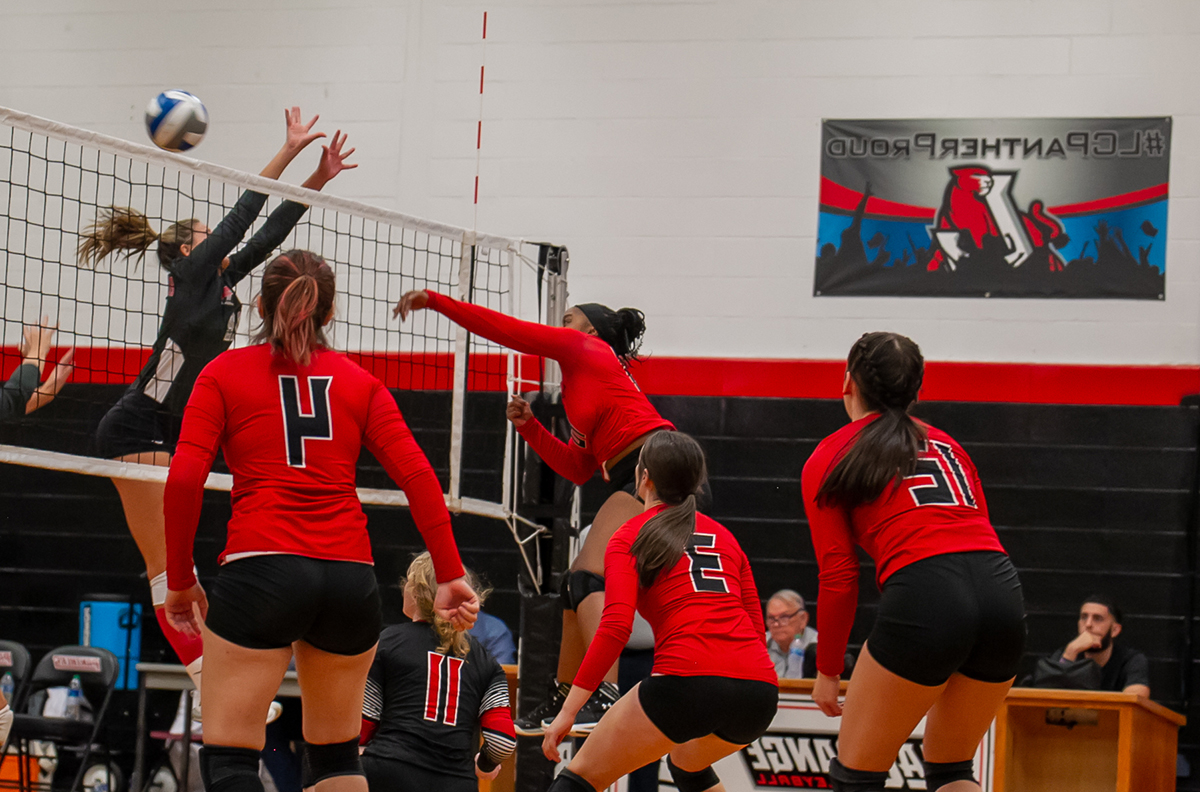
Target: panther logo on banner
column 994, row 208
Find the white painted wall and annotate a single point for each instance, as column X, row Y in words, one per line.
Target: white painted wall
column 674, row 146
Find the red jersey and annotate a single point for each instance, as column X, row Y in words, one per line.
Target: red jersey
column 292, row 437
column 606, row 408
column 704, row 611
column 939, row 509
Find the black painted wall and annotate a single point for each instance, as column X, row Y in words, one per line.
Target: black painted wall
column 1084, row 499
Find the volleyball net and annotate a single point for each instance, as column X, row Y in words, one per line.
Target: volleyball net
column 55, row 179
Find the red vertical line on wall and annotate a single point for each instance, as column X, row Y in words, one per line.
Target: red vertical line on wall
column 479, row 125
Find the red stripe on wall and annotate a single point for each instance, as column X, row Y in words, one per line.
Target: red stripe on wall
column 944, row 381
column 687, row 376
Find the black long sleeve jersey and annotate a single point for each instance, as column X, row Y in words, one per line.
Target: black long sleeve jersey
column 202, row 310
column 430, row 707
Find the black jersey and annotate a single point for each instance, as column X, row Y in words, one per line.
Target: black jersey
column 202, row 310
column 429, row 706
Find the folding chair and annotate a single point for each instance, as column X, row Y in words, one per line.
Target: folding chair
column 97, row 670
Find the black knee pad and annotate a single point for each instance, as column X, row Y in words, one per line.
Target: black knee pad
column 938, row 774
column 566, row 781
column 576, row 586
column 334, row 759
column 847, row 780
column 227, row 769
column 687, row 781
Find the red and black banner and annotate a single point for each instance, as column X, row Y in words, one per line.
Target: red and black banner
column 994, row 208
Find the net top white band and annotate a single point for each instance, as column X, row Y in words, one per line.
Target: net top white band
column 65, row 132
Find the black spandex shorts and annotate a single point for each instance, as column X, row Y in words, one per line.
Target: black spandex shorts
column 959, row 612
column 393, row 775
column 136, row 424
column 621, row 478
column 272, row 601
column 686, row 708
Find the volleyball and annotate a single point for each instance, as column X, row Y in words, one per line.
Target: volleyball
column 176, row 120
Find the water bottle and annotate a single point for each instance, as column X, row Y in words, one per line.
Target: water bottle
column 74, row 697
column 6, row 686
column 795, row 660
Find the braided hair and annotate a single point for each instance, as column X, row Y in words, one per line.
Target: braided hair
column 888, row 369
column 622, row 330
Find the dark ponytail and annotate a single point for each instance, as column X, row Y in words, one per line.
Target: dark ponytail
column 888, row 369
column 297, row 297
column 123, row 229
column 622, row 330
column 675, row 464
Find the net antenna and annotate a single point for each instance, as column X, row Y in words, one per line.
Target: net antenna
column 55, row 180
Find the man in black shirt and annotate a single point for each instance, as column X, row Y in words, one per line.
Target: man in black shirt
column 1094, row 661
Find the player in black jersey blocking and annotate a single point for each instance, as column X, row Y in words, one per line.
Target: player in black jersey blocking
column 430, row 691
column 198, row 323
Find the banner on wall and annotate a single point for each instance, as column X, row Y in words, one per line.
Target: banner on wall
column 1043, row 207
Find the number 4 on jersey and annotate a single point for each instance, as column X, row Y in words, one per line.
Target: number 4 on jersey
column 299, row 426
column 930, row 484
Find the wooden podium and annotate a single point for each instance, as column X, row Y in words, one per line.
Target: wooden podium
column 1084, row 741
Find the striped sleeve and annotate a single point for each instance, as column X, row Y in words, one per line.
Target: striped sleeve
column 373, row 700
column 495, row 722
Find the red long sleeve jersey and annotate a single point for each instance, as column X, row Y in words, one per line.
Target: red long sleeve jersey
column 292, row 437
column 704, row 611
column 606, row 409
column 939, row 509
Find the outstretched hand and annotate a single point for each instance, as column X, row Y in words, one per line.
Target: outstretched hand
column 518, row 411
column 411, row 301
column 36, row 341
column 186, row 610
column 457, row 603
column 299, row 134
column 333, row 159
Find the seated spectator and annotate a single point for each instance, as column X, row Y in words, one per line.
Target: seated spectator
column 1094, row 660
column 493, row 633
column 430, row 693
column 22, row 394
column 791, row 643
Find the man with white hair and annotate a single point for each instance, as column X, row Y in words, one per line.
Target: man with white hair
column 790, row 641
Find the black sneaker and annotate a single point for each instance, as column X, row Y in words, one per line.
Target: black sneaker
column 594, row 709
column 531, row 725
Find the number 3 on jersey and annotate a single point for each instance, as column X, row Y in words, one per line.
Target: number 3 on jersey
column 299, row 426
column 930, row 485
column 704, row 560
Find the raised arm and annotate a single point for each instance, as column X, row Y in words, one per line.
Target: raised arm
column 281, row 221
column 569, row 461
column 530, row 338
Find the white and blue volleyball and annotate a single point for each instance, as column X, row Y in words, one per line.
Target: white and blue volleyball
column 176, row 120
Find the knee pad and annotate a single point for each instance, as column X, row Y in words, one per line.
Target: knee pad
column 938, row 774
column 848, row 780
column 227, row 769
column 576, row 586
column 687, row 781
column 566, row 781
column 334, row 759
